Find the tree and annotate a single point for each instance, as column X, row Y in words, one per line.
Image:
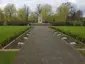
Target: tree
column 63, row 12
column 72, row 10
column 9, row 11
column 33, row 17
column 27, row 11
column 60, row 17
column 23, row 14
column 39, row 9
column 79, row 15
column 1, row 17
column 46, row 12
column 77, row 18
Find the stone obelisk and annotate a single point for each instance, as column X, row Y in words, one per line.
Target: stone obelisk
column 39, row 14
column 39, row 18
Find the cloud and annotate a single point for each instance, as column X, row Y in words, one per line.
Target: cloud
column 33, row 3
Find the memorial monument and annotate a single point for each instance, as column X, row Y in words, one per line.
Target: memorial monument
column 39, row 9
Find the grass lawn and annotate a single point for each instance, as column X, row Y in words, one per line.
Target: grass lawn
column 7, row 57
column 7, row 32
column 78, row 32
column 82, row 52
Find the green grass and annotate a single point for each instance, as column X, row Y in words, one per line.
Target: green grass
column 7, row 32
column 78, row 32
column 7, row 57
column 82, row 52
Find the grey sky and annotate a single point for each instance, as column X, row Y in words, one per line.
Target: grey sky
column 32, row 3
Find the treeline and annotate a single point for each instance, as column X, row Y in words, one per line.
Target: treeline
column 12, row 16
column 66, row 14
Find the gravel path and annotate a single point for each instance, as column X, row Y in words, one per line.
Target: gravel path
column 44, row 47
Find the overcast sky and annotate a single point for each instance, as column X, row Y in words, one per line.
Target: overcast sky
column 32, row 3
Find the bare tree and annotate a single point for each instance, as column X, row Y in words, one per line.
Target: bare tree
column 39, row 9
column 27, row 10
